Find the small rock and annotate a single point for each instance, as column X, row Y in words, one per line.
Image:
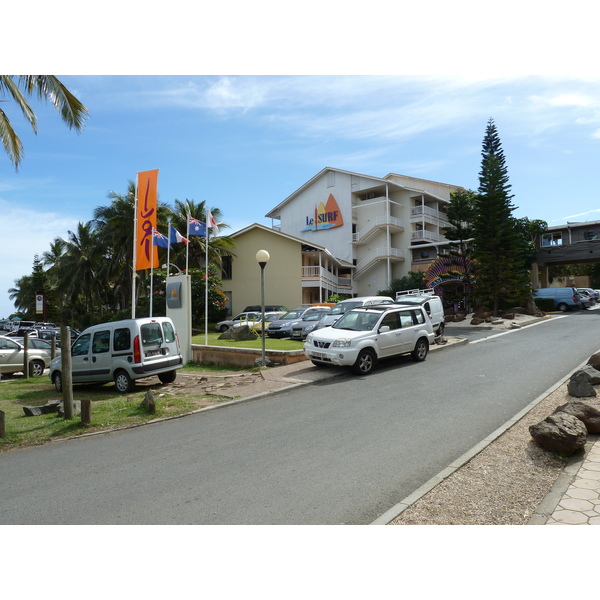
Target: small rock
column 592, row 375
column 594, row 361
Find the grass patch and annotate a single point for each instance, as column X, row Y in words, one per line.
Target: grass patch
column 110, row 410
column 270, row 343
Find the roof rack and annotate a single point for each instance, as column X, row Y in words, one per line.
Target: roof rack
column 425, row 292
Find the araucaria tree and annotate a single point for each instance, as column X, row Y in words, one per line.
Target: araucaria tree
column 500, row 273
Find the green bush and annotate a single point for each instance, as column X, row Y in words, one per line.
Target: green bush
column 545, row 304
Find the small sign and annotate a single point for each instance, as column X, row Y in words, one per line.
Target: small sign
column 39, row 304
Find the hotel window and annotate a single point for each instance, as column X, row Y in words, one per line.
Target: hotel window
column 552, row 239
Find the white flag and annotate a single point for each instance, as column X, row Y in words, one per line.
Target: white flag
column 210, row 222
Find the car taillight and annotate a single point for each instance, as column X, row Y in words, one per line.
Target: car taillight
column 178, row 344
column 137, row 353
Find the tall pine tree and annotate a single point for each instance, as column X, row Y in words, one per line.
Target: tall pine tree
column 501, row 277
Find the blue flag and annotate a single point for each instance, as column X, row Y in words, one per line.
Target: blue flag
column 197, row 227
column 158, row 239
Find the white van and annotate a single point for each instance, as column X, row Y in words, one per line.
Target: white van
column 122, row 352
column 345, row 305
column 430, row 302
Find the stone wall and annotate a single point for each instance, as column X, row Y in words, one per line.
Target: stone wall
column 242, row 357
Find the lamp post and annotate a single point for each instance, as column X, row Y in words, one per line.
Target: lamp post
column 262, row 258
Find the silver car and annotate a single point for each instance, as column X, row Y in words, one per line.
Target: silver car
column 12, row 356
column 309, row 322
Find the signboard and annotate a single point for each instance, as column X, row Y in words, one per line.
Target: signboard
column 325, row 216
column 39, row 304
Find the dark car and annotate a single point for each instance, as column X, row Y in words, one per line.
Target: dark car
column 283, row 327
column 308, row 323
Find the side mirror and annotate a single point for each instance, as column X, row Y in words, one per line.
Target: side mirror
column 384, row 328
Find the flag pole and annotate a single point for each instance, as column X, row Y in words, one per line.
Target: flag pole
column 169, row 248
column 206, row 290
column 187, row 246
column 152, row 274
column 135, row 207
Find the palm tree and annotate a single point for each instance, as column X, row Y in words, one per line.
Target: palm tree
column 114, row 225
column 80, row 268
column 72, row 111
column 218, row 246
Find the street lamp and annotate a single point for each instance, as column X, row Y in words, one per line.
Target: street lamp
column 172, row 265
column 262, row 258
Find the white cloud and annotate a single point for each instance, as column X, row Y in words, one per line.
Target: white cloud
column 28, row 233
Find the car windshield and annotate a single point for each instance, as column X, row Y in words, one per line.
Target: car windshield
column 342, row 307
column 293, row 314
column 316, row 316
column 358, row 321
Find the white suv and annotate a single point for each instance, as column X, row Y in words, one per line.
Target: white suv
column 364, row 335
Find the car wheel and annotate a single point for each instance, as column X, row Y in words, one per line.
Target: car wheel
column 36, row 368
column 57, row 380
column 563, row 307
column 421, row 350
column 223, row 328
column 123, row 382
column 168, row 377
column 365, row 362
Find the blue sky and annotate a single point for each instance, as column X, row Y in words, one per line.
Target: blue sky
column 244, row 142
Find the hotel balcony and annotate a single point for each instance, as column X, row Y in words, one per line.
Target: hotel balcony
column 375, row 225
column 424, row 214
column 315, row 276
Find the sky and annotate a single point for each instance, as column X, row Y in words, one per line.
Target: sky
column 243, row 135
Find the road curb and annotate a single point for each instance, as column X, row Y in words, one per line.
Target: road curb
column 566, row 476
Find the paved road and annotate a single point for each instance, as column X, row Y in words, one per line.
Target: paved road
column 342, row 451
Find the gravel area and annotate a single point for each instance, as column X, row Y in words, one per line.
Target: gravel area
column 503, row 484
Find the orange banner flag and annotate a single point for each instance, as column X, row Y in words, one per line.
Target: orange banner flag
column 146, row 254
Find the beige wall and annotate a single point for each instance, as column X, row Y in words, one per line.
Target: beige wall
column 283, row 273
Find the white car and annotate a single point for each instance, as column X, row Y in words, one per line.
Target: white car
column 245, row 318
column 364, row 335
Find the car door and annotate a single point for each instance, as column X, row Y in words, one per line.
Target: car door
column 11, row 356
column 80, row 359
column 101, row 356
column 390, row 342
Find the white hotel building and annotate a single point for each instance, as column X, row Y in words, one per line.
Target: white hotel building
column 345, row 233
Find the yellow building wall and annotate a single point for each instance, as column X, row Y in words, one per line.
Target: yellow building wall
column 283, row 273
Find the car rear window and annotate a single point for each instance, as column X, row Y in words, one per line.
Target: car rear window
column 151, row 334
column 169, row 332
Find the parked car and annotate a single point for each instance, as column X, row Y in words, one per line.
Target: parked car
column 345, row 305
column 123, row 351
column 268, row 308
column 12, row 358
column 586, row 299
column 308, row 323
column 20, row 333
column 430, row 302
column 241, row 319
column 594, row 294
column 269, row 318
column 39, row 344
column 565, row 298
column 364, row 335
column 282, row 327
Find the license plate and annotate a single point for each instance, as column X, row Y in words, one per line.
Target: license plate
column 318, row 355
column 153, row 353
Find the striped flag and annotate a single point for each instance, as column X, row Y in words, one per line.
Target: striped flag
column 175, row 237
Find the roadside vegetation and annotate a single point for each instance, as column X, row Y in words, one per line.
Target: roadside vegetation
column 110, row 410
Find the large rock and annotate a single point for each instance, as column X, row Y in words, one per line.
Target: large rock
column 594, row 360
column 579, row 386
column 241, row 333
column 560, row 433
column 586, row 413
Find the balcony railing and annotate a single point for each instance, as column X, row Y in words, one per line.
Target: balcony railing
column 427, row 236
column 377, row 255
column 377, row 223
